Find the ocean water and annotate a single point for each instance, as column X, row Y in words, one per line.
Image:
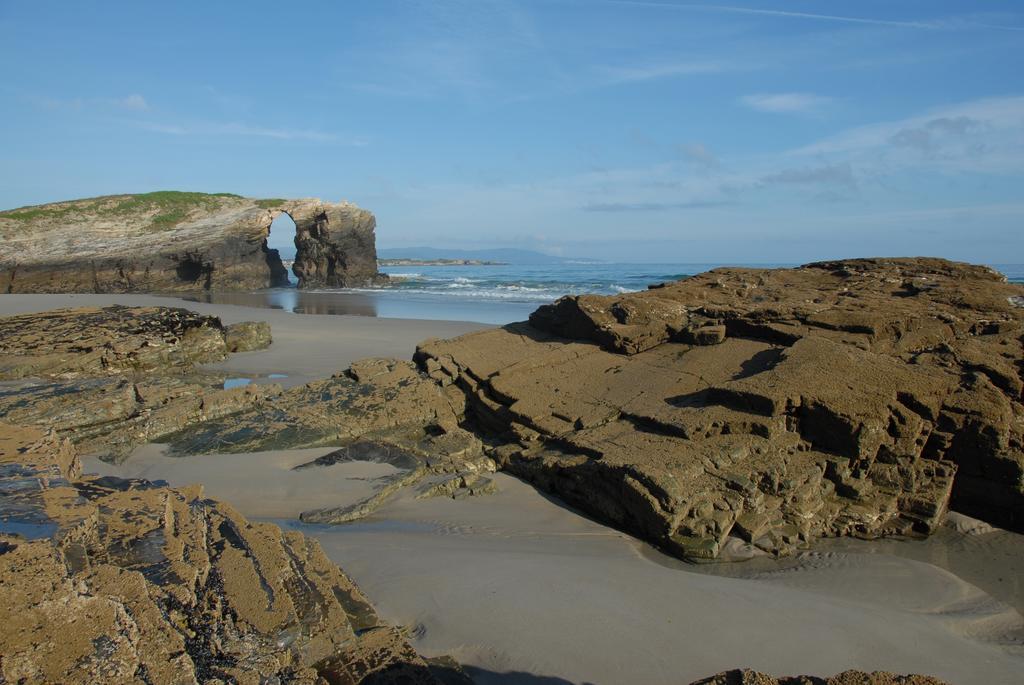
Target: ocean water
column 535, row 283
column 544, row 283
column 488, row 294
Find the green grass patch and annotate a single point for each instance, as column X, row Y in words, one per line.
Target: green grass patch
column 171, row 207
column 270, row 204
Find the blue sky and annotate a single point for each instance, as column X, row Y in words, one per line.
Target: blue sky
column 641, row 131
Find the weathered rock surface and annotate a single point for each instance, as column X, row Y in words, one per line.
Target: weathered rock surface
column 842, row 398
column 748, row 677
column 247, row 336
column 127, row 581
column 380, row 410
column 68, row 343
column 171, row 241
column 335, row 245
column 112, row 378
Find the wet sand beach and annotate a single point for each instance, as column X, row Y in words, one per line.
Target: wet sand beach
column 520, row 588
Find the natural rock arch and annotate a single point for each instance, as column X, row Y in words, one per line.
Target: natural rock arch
column 172, row 241
column 335, row 244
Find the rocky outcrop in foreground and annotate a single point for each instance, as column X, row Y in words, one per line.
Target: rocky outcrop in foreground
column 110, row 379
column 735, row 411
column 763, row 407
column 172, row 241
column 128, row 581
column 380, row 410
column 748, row 677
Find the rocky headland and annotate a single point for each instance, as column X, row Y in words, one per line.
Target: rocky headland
column 175, row 241
column 734, row 413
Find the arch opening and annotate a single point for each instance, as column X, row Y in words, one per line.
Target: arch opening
column 282, row 239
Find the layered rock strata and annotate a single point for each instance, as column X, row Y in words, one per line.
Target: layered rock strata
column 763, row 407
column 748, row 677
column 737, row 410
column 115, row 377
column 127, row 581
column 380, row 410
column 172, row 241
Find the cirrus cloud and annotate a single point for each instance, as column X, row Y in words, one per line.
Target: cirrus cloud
column 785, row 103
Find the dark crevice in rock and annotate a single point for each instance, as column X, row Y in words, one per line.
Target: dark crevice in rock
column 192, row 269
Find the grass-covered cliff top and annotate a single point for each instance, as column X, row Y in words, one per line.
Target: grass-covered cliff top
column 163, row 208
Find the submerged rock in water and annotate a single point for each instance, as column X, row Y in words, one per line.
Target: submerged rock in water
column 137, row 582
column 776, row 406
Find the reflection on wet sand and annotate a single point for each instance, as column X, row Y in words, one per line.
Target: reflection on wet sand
column 381, row 303
column 293, row 300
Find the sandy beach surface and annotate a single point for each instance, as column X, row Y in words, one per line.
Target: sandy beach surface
column 522, row 589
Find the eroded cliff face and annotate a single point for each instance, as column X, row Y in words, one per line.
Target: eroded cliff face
column 170, row 241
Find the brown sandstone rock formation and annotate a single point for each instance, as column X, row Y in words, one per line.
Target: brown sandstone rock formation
column 112, row 378
column 766, row 406
column 748, row 677
column 739, row 407
column 171, row 241
column 380, row 410
column 335, row 245
column 127, row 581
column 68, row 343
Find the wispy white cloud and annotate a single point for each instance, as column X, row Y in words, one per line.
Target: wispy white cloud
column 928, row 25
column 784, row 103
column 242, row 129
column 653, row 206
column 133, row 101
column 661, row 70
column 982, row 136
column 890, row 167
column 840, row 174
column 699, row 154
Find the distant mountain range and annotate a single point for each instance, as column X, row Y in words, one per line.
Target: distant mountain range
column 506, row 255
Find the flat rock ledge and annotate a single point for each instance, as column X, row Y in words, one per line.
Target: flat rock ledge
column 172, row 241
column 127, row 581
column 113, row 378
column 762, row 407
column 748, row 677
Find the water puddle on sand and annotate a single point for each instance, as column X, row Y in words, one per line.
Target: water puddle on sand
column 991, row 561
column 242, row 381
